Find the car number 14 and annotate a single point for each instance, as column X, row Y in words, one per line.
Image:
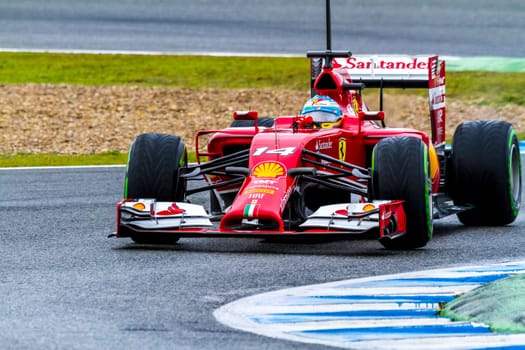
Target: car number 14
column 286, row 151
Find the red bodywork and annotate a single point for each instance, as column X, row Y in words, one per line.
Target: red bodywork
column 283, row 155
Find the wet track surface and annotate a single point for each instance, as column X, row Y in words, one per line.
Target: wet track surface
column 65, row 285
column 447, row 27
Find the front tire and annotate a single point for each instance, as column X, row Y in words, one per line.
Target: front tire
column 401, row 171
column 152, row 171
column 485, row 171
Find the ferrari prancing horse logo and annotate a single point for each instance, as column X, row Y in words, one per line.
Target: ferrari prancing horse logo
column 342, row 149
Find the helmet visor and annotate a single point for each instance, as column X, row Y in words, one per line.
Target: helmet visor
column 324, row 117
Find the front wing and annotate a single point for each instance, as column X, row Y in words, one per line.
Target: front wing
column 143, row 216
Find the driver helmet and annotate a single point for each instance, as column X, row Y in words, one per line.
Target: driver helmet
column 325, row 112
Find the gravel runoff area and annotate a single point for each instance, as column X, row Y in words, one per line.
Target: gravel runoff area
column 71, row 119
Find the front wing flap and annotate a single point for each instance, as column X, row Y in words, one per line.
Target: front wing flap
column 192, row 220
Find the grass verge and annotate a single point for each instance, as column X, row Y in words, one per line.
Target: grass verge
column 154, row 70
column 220, row 72
column 53, row 159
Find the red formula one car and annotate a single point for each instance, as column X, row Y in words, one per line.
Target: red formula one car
column 334, row 170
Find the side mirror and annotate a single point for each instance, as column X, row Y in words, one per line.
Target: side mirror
column 246, row 115
column 372, row 115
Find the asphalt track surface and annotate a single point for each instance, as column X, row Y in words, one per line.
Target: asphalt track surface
column 65, row 285
column 445, row 27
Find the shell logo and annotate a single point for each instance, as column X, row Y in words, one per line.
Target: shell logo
column 268, row 169
column 139, row 206
column 368, row 207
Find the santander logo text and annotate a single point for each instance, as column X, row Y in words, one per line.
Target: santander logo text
column 369, row 62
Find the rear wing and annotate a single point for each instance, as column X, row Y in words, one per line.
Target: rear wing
column 397, row 71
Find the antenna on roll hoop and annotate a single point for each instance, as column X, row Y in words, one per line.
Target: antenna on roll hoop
column 328, row 27
column 328, row 54
column 323, row 59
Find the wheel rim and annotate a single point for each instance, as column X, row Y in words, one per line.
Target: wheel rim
column 515, row 176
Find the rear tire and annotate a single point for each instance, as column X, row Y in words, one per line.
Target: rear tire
column 485, row 171
column 152, row 171
column 401, row 171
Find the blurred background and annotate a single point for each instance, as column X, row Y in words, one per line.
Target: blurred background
column 445, row 27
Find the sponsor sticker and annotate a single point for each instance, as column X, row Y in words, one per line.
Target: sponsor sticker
column 342, row 149
column 251, row 210
column 386, row 63
column 268, row 169
column 259, row 190
column 320, row 145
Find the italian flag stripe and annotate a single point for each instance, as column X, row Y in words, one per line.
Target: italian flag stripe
column 249, row 209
